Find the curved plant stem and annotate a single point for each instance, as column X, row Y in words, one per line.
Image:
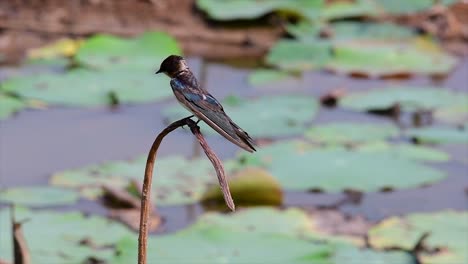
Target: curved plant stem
column 146, row 190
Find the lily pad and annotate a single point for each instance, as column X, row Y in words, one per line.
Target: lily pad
column 38, row 196
column 347, row 132
column 61, row 48
column 456, row 113
column 408, row 98
column 144, row 52
column 349, row 9
column 251, row 186
column 280, row 115
column 82, row 87
column 70, row 237
column 347, row 30
column 293, row 55
column 248, row 9
column 383, row 58
column 439, row 135
column 301, row 166
column 265, row 76
column 219, row 245
column 176, row 179
column 10, row 105
column 409, row 151
column 407, row 7
column 336, row 170
column 291, row 222
column 345, row 253
column 445, row 231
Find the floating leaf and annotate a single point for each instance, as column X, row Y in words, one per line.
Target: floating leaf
column 439, row 134
column 346, row 30
column 219, row 245
column 456, row 112
column 409, row 151
column 337, row 170
column 301, row 166
column 90, row 88
column 406, row 7
column 346, row 253
column 299, row 56
column 118, row 71
column 290, row 222
column 64, row 47
column 251, row 186
column 445, row 231
column 176, row 181
column 143, row 53
column 38, row 196
column 349, row 9
column 280, row 115
column 383, row 58
column 265, row 76
column 247, row 9
column 9, row 105
column 408, row 98
column 347, row 132
column 62, row 237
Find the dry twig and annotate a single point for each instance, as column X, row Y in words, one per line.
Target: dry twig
column 146, row 190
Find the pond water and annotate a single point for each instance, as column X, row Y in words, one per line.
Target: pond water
column 34, row 144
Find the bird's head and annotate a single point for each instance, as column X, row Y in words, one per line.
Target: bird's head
column 172, row 65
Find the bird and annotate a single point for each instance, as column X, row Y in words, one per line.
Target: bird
column 201, row 103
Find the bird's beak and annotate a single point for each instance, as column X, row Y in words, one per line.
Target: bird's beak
column 159, row 71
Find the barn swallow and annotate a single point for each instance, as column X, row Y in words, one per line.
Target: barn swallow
column 201, row 103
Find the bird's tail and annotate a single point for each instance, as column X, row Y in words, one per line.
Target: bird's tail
column 244, row 137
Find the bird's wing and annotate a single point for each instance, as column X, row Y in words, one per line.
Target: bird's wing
column 207, row 108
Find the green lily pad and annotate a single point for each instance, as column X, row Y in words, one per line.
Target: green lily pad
column 383, row 58
column 282, row 115
column 90, row 88
column 248, row 9
column 408, row 98
column 407, row 7
column 349, row 9
column 10, row 105
column 293, row 55
column 176, row 180
column 409, row 151
column 301, row 166
column 118, row 71
column 336, row 170
column 345, row 253
column 439, row 134
column 455, row 113
column 446, row 231
column 251, row 186
column 38, row 196
column 346, row 30
column 219, row 245
column 347, row 132
column 239, row 238
column 143, row 52
column 291, row 222
column 265, row 76
column 53, row 237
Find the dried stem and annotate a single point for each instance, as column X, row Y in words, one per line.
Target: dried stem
column 146, row 190
column 217, row 164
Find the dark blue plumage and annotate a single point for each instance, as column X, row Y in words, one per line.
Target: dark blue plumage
column 201, row 103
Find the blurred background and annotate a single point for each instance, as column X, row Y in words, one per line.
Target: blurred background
column 359, row 109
